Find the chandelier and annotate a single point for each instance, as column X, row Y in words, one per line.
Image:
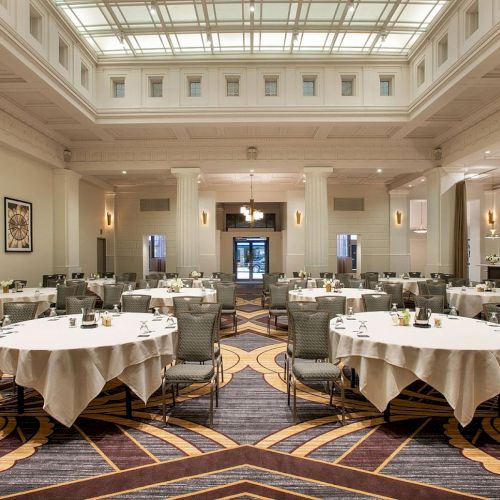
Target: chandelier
column 421, row 229
column 249, row 211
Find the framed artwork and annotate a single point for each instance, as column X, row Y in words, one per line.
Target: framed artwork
column 18, row 225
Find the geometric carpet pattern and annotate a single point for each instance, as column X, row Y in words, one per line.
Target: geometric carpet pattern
column 254, row 448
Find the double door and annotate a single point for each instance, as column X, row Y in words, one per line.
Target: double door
column 250, row 258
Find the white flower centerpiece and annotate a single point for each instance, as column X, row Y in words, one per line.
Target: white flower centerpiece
column 493, row 258
column 5, row 285
column 195, row 274
column 176, row 285
column 302, row 274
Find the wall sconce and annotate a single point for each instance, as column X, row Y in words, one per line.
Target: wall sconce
column 108, row 218
column 298, row 217
column 491, row 218
column 399, row 217
column 204, row 217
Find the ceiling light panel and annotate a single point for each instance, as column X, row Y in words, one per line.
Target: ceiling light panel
column 180, row 26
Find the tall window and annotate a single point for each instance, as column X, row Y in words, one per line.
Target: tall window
column 472, row 19
column 309, row 86
column 35, row 24
column 348, row 86
column 118, row 87
column 194, row 87
column 156, row 86
column 84, row 76
column 270, row 86
column 386, row 86
column 63, row 53
column 442, row 50
column 232, row 86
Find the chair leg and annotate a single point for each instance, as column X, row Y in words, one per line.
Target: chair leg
column 285, row 363
column 221, row 367
column 217, row 393
column 235, row 322
column 269, row 324
column 173, row 394
column 163, row 407
column 294, row 400
column 342, row 400
column 211, row 404
column 288, row 382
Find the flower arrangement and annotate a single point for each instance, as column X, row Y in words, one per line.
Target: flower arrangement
column 327, row 284
column 493, row 258
column 5, row 285
column 176, row 284
column 195, row 274
column 302, row 274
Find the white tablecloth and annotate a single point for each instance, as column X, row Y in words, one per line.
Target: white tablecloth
column 469, row 303
column 97, row 286
column 70, row 366
column 197, row 283
column 311, row 282
column 161, row 298
column 44, row 298
column 410, row 284
column 461, row 360
column 353, row 296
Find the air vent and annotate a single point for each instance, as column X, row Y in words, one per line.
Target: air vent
column 349, row 204
column 155, row 205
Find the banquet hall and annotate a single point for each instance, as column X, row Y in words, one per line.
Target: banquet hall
column 250, row 249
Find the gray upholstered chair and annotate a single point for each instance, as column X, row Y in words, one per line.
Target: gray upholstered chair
column 75, row 304
column 212, row 309
column 375, row 285
column 327, row 275
column 187, row 282
column 20, row 311
column 320, row 282
column 278, row 298
column 439, row 289
column 226, row 297
column 415, row 274
column 194, row 346
column 433, row 302
column 181, row 304
column 311, row 343
column 127, row 285
column 295, row 274
column 147, row 283
column 81, row 286
column 63, row 292
column 109, row 274
column 389, row 274
column 226, row 277
column 155, row 276
column 136, row 303
column 422, row 288
column 491, row 308
column 355, row 283
column 300, row 283
column 374, row 302
column 292, row 307
column 368, row 277
column 209, row 283
column 171, row 276
column 77, row 276
column 112, row 295
column 267, row 279
column 23, row 283
column 457, row 282
column 332, row 304
column 52, row 283
column 396, row 291
column 344, row 278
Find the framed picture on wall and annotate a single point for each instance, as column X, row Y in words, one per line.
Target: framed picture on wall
column 18, row 225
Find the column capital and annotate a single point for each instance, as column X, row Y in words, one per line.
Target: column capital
column 318, row 170
column 399, row 192
column 184, row 171
column 67, row 173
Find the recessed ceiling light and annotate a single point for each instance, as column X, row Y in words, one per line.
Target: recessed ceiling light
column 252, row 171
column 252, row 7
column 379, row 170
column 410, row 185
column 487, row 152
column 422, row 179
column 124, row 172
column 152, row 8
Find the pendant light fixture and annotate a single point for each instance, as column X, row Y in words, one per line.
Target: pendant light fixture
column 249, row 211
column 421, row 229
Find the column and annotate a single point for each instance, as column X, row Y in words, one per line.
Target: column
column 440, row 219
column 110, row 231
column 399, row 237
column 316, row 219
column 187, row 220
column 66, row 222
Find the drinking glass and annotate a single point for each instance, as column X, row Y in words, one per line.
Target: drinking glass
column 52, row 312
column 350, row 313
column 147, row 286
column 394, row 309
column 6, row 321
column 363, row 329
column 361, row 286
column 339, row 322
column 144, row 330
column 157, row 313
column 493, row 319
column 170, row 320
column 116, row 310
column 453, row 313
column 129, row 288
column 295, row 286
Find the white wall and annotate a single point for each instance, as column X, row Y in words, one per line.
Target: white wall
column 209, row 262
column 132, row 225
column 293, row 238
column 25, row 179
column 92, row 225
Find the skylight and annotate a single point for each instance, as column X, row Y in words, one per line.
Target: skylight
column 190, row 27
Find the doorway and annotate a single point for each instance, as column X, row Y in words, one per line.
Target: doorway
column 157, row 252
column 101, row 255
column 250, row 258
column 347, row 253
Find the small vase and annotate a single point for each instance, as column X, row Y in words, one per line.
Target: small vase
column 328, row 287
column 5, row 289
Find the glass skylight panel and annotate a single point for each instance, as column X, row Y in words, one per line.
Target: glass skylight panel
column 182, row 13
column 322, row 11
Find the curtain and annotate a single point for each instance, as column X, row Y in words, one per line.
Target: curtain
column 461, row 269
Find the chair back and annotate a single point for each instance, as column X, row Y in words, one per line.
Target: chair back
column 487, row 310
column 457, row 281
column 75, row 304
column 376, row 302
column 127, row 285
column 438, row 289
column 302, row 283
column 295, row 274
column 374, row 285
column 332, row 305
column 297, row 306
column 181, row 304
column 389, row 274
column 216, row 275
column 354, row 283
column 81, row 286
column 188, row 282
column 226, row 295
column 433, row 302
column 52, row 283
column 268, row 279
column 344, row 279
column 77, row 276
column 226, row 277
column 172, row 276
column 109, row 274
column 396, row 290
column 22, row 283
column 278, row 296
column 422, row 288
column 142, row 284
column 136, row 303
column 195, row 337
column 155, row 276
column 327, row 275
column 112, row 295
column 209, row 309
column 63, row 292
column 311, row 335
column 20, row 311
column 320, row 282
column 415, row 274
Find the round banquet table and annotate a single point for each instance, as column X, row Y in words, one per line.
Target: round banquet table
column 46, row 297
column 97, row 286
column 70, row 366
column 461, row 360
column 353, row 296
column 311, row 282
column 409, row 284
column 469, row 303
column 160, row 297
column 197, row 283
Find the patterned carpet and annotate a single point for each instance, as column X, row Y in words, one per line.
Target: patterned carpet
column 254, row 449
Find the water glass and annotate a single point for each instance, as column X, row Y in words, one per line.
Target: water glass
column 6, row 321
column 157, row 313
column 453, row 312
column 493, row 319
column 52, row 312
column 363, row 329
column 339, row 322
column 116, row 310
column 144, row 330
column 72, row 322
column 350, row 313
column 394, row 309
column 361, row 286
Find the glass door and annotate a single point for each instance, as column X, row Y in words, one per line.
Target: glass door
column 251, row 259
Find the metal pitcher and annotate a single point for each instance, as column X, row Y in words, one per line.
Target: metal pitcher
column 90, row 317
column 422, row 315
